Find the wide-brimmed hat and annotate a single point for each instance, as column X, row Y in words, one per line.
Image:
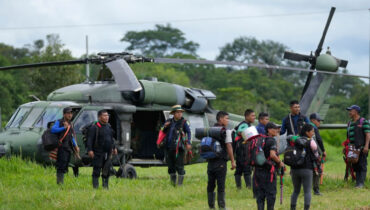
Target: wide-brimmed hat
column 176, row 108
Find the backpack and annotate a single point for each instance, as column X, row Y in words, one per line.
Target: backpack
column 49, row 139
column 85, row 132
column 294, row 155
column 255, row 156
column 210, row 148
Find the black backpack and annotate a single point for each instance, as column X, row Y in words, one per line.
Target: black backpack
column 255, row 156
column 49, row 140
column 295, row 153
column 85, row 133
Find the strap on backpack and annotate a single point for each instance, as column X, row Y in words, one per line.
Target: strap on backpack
column 64, row 136
column 291, row 124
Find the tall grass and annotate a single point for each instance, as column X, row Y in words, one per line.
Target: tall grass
column 26, row 185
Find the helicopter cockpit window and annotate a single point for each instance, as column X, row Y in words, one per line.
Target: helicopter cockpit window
column 32, row 116
column 19, row 117
column 86, row 117
column 51, row 114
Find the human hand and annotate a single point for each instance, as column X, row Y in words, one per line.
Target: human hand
column 114, row 151
column 188, row 147
column 365, row 150
column 233, row 165
column 91, row 154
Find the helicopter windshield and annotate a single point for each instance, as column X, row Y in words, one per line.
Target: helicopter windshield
column 19, row 116
column 51, row 114
column 32, row 116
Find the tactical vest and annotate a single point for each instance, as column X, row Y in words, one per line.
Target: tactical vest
column 289, row 126
column 177, row 132
column 359, row 133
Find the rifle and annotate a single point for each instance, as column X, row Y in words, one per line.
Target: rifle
column 281, row 184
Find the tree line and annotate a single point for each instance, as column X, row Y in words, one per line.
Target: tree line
column 236, row 88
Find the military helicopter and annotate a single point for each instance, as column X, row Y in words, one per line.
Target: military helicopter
column 137, row 108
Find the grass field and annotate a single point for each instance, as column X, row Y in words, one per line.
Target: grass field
column 26, row 185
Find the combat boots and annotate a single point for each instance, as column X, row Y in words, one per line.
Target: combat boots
column 95, row 182
column 238, row 181
column 105, row 183
column 293, row 207
column 180, row 180
column 261, row 205
column 306, row 207
column 60, row 178
column 211, row 200
column 221, row 200
column 173, row 179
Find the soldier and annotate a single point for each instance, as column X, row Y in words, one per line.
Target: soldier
column 217, row 167
column 64, row 129
column 241, row 167
column 315, row 122
column 263, row 119
column 293, row 123
column 100, row 147
column 359, row 136
column 265, row 187
column 177, row 140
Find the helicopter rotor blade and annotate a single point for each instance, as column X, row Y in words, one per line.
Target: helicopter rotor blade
column 296, row 56
column 123, row 75
column 56, row 63
column 234, row 63
column 319, row 47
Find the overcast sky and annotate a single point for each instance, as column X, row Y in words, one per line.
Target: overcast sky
column 211, row 23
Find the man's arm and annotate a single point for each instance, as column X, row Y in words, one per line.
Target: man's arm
column 366, row 148
column 188, row 135
column 229, row 149
column 319, row 140
column 276, row 158
column 283, row 129
column 56, row 128
column 91, row 136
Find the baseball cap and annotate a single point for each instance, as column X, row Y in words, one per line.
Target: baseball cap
column 355, row 107
column 67, row 109
column 315, row 116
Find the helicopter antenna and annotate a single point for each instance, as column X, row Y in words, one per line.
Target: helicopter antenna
column 87, row 56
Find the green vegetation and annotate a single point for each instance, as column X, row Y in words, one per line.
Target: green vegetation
column 236, row 88
column 26, row 185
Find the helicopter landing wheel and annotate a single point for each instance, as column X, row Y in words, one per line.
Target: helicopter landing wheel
column 127, row 171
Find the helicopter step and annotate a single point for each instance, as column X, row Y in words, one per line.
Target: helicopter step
column 145, row 162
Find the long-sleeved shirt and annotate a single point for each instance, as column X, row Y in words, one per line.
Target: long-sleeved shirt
column 101, row 142
column 170, row 131
column 261, row 128
column 57, row 128
column 318, row 137
column 295, row 124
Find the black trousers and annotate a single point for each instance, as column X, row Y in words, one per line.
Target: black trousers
column 175, row 164
column 264, row 188
column 242, row 169
column 216, row 171
column 99, row 161
column 63, row 158
column 361, row 166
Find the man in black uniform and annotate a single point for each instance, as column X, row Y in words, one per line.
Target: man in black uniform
column 293, row 123
column 315, row 122
column 241, row 167
column 359, row 136
column 177, row 140
column 100, row 147
column 64, row 129
column 264, row 186
column 217, row 167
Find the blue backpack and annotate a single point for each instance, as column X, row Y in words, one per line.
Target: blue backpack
column 210, row 148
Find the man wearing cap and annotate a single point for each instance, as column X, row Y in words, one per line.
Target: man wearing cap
column 64, row 129
column 265, row 176
column 358, row 133
column 177, row 140
column 242, row 168
column 293, row 123
column 315, row 121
